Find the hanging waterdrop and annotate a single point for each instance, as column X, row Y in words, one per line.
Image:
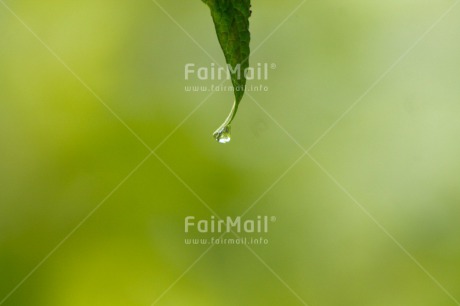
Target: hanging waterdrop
column 223, row 134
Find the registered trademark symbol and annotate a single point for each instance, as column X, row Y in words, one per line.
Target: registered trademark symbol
column 273, row 66
column 273, row 219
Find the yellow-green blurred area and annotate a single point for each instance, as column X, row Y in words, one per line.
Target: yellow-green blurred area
column 374, row 221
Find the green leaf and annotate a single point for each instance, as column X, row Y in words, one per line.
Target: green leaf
column 231, row 20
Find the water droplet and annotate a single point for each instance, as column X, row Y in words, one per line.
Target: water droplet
column 223, row 134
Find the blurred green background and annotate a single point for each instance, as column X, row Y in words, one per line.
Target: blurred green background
column 62, row 153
